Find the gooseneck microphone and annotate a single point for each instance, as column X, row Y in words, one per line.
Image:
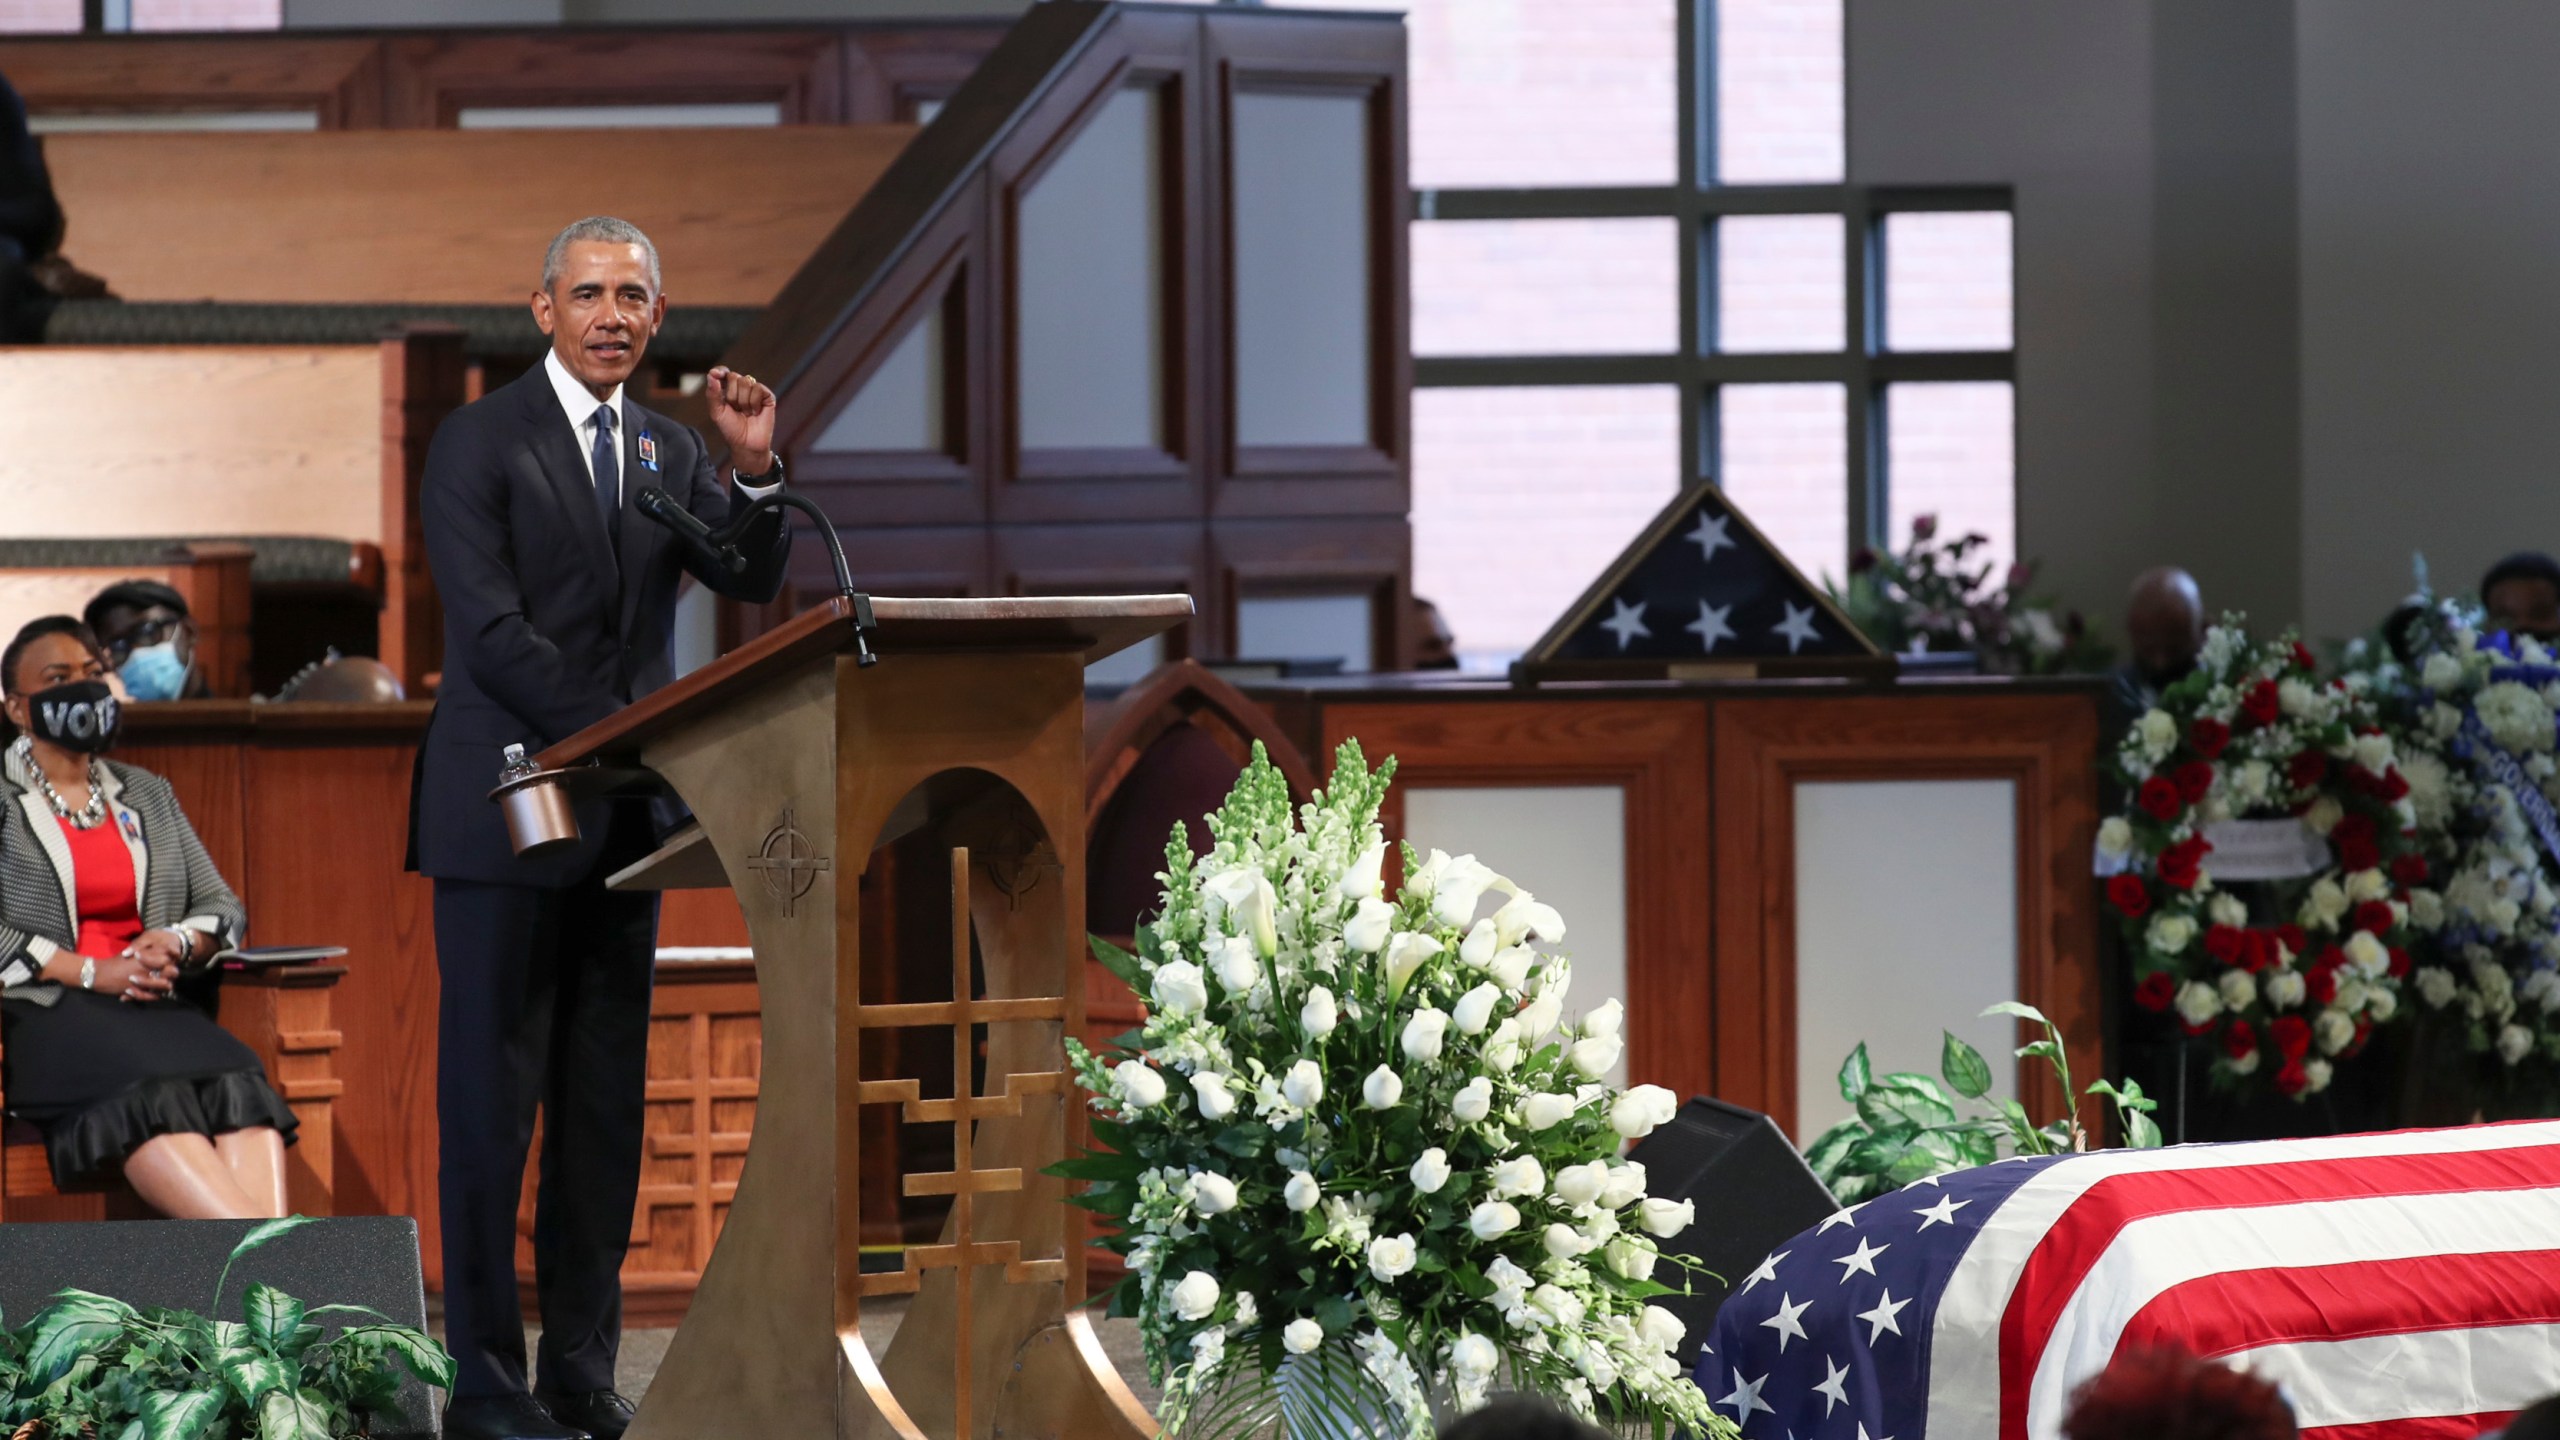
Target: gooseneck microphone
column 718, row 549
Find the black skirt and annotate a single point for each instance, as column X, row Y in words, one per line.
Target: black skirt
column 100, row 1076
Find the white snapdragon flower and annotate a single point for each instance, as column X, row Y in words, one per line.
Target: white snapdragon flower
column 1212, row 1193
column 1319, row 1014
column 1581, row 1184
column 2514, row 1043
column 2333, row 1029
column 1368, row 926
column 1140, row 1086
column 1642, row 1110
column 2239, row 989
column 1180, row 989
column 1301, row 1193
column 1301, row 1336
column 1382, row 1089
column 2115, row 837
column 2198, row 1002
column 1431, row 1171
column 1406, row 953
column 2283, row 989
column 1493, row 1219
column 1303, row 1084
column 1391, row 1256
column 1424, row 1035
column 1592, row 1056
column 1544, row 1111
column 1474, row 1010
column 2171, row 933
column 1624, row 1185
column 1663, row 1219
column 1196, row 1297
column 1210, row 1093
column 1519, row 1175
column 1473, row 1102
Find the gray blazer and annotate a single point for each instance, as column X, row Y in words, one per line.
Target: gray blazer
column 175, row 877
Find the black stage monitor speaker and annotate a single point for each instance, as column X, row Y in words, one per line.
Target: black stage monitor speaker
column 1752, row 1191
column 369, row 1261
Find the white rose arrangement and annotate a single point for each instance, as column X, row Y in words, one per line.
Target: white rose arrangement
column 1372, row 1161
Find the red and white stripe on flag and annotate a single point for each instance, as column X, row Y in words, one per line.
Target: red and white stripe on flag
column 2400, row 1286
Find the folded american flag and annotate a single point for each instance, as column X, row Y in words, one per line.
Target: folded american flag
column 2401, row 1286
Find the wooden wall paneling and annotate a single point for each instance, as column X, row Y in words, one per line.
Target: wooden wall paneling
column 1139, row 48
column 269, row 219
column 1341, row 54
column 1266, row 557
column 434, row 77
column 934, row 560
column 2045, row 744
column 889, row 73
column 326, row 823
column 339, row 79
column 1110, row 559
column 946, row 270
column 422, row 383
column 195, row 745
column 1656, row 752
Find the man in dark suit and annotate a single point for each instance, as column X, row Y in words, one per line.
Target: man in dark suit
column 559, row 604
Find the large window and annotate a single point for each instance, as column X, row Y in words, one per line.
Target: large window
column 1637, row 258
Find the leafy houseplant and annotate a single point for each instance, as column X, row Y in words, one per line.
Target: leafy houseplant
column 1934, row 597
column 91, row 1366
column 1907, row 1128
column 1360, row 1164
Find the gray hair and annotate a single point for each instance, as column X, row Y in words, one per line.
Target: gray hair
column 607, row 229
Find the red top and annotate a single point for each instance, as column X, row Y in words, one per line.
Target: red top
column 103, row 891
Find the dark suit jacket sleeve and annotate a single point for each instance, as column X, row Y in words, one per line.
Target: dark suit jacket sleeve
column 29, row 215
column 767, row 543
column 463, row 506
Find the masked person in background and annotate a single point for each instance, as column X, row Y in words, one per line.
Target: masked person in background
column 149, row 640
column 106, row 896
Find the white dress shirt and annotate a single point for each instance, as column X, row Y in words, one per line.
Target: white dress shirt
column 581, row 404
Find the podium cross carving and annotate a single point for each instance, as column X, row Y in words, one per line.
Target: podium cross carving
column 790, row 862
column 964, row 1181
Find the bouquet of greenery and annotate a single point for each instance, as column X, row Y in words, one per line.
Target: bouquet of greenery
column 1359, row 1162
column 1934, row 597
column 90, row 1365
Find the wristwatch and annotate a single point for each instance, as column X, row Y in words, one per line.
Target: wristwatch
column 88, row 972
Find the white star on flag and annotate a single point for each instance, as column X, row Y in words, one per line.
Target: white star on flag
column 1834, row 1387
column 1746, row 1398
column 1942, row 1213
column 1862, row 1432
column 1787, row 1322
column 1710, row 627
column 1768, row 1271
column 1710, row 535
column 1880, row 1319
column 1797, row 628
column 1838, row 1217
column 1862, row 1259
column 1626, row 622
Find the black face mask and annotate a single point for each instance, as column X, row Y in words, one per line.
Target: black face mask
column 80, row 716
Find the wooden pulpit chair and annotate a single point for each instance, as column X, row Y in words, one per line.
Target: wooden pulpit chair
column 282, row 1013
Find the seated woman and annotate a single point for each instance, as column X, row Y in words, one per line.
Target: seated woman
column 106, row 895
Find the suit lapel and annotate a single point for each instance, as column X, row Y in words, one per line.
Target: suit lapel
column 554, row 447
column 58, row 850
column 641, row 535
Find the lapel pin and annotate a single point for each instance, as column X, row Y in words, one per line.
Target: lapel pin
column 648, row 450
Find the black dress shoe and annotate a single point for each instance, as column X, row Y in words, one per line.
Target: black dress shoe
column 506, row 1417
column 601, row 1413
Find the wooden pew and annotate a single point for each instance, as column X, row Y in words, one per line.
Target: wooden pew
column 451, row 217
column 181, row 442
column 213, row 576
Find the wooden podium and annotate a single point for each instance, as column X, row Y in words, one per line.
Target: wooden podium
column 798, row 765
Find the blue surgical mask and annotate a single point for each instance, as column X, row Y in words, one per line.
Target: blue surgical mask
column 155, row 672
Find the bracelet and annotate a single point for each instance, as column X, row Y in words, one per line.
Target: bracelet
column 88, row 972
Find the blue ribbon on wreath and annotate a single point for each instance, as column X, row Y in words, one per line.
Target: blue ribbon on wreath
column 2473, row 743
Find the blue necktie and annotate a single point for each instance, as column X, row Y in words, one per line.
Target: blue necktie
column 608, row 464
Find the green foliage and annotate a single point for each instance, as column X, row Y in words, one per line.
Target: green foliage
column 93, row 1366
column 1939, row 596
column 1908, row 1128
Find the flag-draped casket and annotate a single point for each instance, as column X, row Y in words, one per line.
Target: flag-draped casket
column 2395, row 1285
